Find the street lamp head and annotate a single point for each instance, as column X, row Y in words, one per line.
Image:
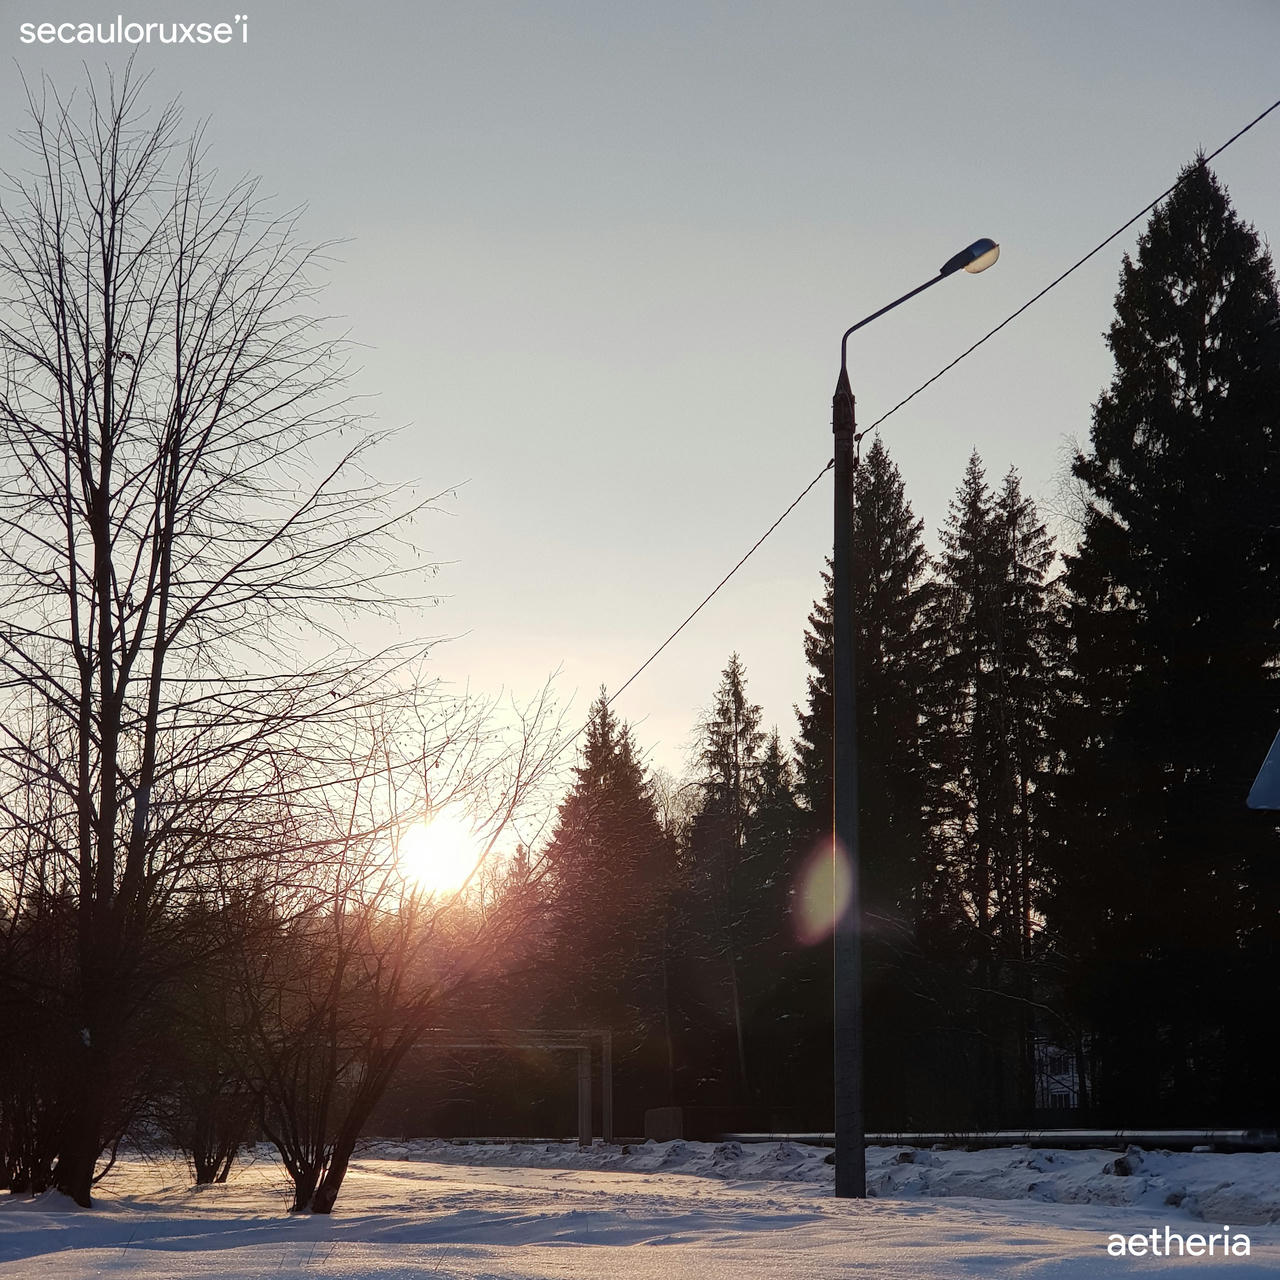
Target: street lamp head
column 977, row 257
column 987, row 250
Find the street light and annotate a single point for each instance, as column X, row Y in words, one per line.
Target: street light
column 851, row 1171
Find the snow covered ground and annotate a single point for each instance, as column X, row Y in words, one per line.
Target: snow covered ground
column 675, row 1211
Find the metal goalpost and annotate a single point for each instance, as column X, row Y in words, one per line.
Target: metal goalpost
column 579, row 1042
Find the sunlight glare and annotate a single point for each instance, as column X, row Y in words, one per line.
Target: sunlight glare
column 441, row 853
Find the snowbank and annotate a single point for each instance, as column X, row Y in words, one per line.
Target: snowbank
column 1240, row 1189
column 670, row 1211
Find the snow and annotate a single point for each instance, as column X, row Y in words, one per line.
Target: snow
column 678, row 1210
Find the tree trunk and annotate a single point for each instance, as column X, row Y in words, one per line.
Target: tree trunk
column 371, row 1090
column 327, row 1192
column 736, row 997
column 78, row 1155
column 343, row 1147
column 304, row 1188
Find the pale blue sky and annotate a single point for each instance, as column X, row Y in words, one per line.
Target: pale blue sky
column 599, row 257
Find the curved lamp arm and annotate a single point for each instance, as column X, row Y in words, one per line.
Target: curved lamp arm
column 976, row 257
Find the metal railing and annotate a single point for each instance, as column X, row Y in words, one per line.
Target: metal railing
column 1157, row 1139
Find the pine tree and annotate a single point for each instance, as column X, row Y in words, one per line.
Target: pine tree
column 1168, row 896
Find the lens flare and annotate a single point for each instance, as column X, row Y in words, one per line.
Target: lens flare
column 822, row 892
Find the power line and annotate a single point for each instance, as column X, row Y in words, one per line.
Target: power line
column 707, row 599
column 609, row 701
column 1058, row 280
column 907, row 399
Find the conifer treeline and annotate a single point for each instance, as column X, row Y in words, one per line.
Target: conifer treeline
column 1054, row 755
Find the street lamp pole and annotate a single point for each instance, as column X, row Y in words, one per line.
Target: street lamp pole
column 850, row 1128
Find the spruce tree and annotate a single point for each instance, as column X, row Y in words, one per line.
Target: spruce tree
column 610, row 875
column 729, row 878
column 775, row 826
column 775, row 841
column 994, row 637
column 888, row 568
column 1029, row 653
column 1168, row 890
column 729, row 752
column 888, row 564
column 814, row 746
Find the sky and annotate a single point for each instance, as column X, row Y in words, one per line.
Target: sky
column 597, row 259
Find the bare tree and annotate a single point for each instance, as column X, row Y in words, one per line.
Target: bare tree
column 183, row 511
column 349, row 966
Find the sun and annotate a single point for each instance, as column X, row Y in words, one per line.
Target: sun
column 441, row 853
